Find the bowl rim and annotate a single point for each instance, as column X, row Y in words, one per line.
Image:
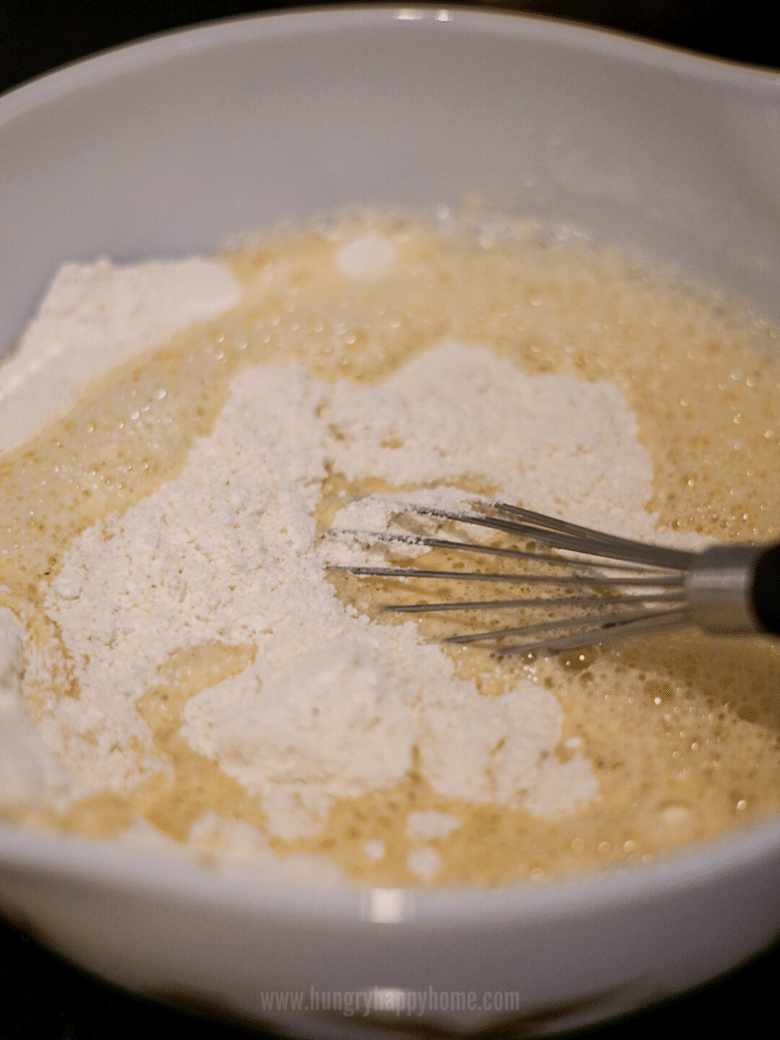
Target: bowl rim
column 176, row 876
column 179, row 877
column 296, row 21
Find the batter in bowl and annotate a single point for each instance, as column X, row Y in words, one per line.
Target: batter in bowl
column 179, row 657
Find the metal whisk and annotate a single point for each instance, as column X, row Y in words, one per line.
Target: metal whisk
column 604, row 587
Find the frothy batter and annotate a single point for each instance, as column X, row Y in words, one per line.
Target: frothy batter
column 190, row 661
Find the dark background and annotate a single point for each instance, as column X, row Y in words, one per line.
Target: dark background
column 41, row 998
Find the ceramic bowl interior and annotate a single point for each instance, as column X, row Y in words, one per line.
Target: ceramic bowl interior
column 170, row 146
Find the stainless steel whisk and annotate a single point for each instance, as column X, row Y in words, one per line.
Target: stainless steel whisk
column 614, row 587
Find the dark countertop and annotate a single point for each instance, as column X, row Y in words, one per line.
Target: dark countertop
column 43, row 998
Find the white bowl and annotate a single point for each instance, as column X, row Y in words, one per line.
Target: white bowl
column 172, row 145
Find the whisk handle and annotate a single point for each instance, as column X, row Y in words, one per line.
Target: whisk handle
column 766, row 589
column 735, row 589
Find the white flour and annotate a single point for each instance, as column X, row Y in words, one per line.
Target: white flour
column 332, row 704
column 567, row 446
column 94, row 317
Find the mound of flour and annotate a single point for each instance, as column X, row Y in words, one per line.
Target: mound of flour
column 332, row 705
column 94, row 317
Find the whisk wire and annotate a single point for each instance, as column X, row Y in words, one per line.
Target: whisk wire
column 593, row 581
column 636, row 588
column 490, row 550
column 561, row 534
column 600, row 632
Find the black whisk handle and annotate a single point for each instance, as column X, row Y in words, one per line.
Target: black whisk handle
column 766, row 589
